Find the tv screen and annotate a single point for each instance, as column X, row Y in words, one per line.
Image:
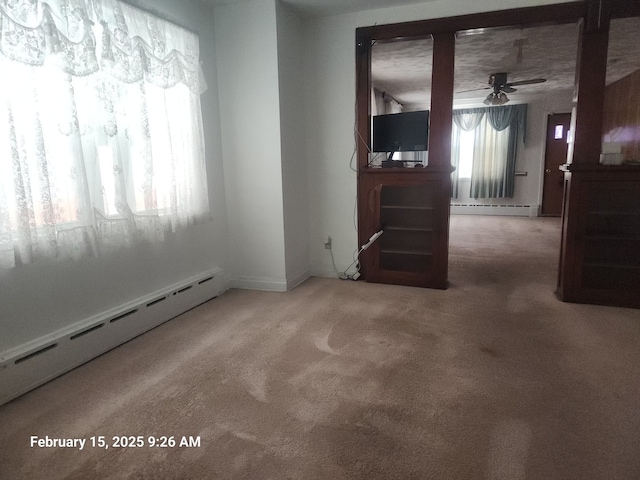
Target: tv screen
column 401, row 132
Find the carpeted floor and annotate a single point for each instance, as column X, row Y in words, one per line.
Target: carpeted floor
column 493, row 378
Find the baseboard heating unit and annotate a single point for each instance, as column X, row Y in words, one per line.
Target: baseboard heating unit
column 27, row 366
column 484, row 209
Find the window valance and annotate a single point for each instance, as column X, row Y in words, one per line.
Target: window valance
column 84, row 36
column 499, row 118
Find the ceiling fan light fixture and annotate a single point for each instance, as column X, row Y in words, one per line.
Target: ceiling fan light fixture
column 494, row 99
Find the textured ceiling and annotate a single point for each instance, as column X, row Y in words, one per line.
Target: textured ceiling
column 403, row 68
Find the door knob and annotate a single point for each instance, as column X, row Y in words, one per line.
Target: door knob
column 548, row 170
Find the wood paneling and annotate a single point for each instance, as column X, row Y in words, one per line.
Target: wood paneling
column 621, row 122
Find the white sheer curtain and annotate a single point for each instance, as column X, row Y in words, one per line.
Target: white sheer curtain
column 101, row 141
column 490, row 162
column 463, row 120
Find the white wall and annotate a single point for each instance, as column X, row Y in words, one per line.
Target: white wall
column 38, row 299
column 247, row 54
column 294, row 155
column 329, row 76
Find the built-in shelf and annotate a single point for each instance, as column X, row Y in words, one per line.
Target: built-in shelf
column 406, row 215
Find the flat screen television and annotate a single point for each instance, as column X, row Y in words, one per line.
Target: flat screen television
column 401, row 132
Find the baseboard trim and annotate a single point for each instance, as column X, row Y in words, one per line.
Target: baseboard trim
column 298, row 279
column 259, row 283
column 268, row 284
column 34, row 363
column 324, row 272
column 480, row 209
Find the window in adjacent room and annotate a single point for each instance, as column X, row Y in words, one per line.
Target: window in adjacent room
column 484, row 149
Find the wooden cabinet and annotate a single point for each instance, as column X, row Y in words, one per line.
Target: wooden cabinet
column 411, row 205
column 612, row 237
column 601, row 250
column 412, row 208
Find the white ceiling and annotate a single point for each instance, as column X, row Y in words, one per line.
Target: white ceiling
column 403, row 68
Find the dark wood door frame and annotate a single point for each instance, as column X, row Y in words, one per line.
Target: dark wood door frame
column 555, row 155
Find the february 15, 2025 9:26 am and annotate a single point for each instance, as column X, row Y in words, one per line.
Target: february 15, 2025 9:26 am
column 117, row 441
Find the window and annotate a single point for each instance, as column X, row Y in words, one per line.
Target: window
column 558, row 132
column 484, row 149
column 467, row 143
column 101, row 141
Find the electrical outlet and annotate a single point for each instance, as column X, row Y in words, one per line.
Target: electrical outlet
column 327, row 243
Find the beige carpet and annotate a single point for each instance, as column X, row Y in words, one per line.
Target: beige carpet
column 493, row 378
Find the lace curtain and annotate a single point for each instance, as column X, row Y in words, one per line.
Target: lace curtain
column 497, row 130
column 101, row 141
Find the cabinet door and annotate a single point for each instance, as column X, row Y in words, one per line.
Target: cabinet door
column 611, row 255
column 407, row 218
column 413, row 213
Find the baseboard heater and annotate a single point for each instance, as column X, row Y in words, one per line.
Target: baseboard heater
column 484, row 209
column 28, row 366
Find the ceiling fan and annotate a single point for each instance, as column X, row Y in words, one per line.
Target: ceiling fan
column 498, row 82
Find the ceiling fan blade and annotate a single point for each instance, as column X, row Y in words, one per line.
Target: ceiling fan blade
column 474, row 90
column 526, row 82
column 507, row 89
